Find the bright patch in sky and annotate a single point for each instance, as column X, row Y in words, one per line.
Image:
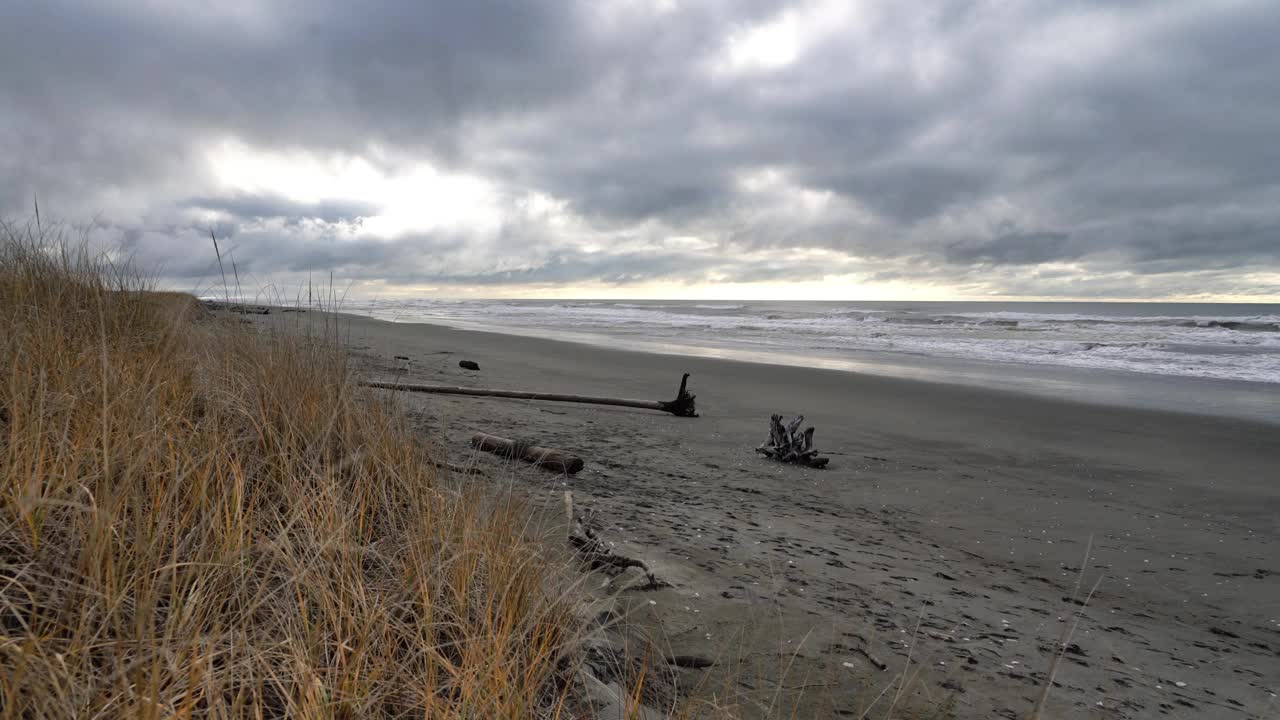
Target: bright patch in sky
column 772, row 45
column 780, row 41
column 416, row 199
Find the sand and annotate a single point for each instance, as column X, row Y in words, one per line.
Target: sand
column 947, row 536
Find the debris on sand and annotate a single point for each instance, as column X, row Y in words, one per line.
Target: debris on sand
column 595, row 554
column 788, row 446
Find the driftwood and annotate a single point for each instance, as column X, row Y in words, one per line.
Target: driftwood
column 468, row 365
column 592, row 551
column 788, row 446
column 237, row 307
column 681, row 406
column 545, row 458
column 458, row 469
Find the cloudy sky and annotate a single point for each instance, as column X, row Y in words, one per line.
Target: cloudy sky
column 674, row 148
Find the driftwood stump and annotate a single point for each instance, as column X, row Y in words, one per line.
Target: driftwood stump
column 683, row 405
column 788, row 446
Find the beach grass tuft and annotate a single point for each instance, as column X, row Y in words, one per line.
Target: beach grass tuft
column 200, row 519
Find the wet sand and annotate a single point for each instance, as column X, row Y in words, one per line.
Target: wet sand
column 950, row 529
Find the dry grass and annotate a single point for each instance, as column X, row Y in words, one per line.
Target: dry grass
column 200, row 520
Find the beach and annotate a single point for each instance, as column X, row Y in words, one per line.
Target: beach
column 957, row 531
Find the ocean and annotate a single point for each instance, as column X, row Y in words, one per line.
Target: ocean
column 1216, row 358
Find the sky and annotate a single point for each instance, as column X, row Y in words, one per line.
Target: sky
column 937, row 149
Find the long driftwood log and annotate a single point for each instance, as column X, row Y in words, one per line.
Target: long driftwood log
column 545, row 458
column 681, row 406
column 237, row 307
column 788, row 446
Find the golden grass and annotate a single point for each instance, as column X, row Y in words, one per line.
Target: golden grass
column 200, row 520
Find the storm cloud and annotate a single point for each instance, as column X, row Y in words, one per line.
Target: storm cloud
column 1024, row 148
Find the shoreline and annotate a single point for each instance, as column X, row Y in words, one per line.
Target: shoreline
column 1202, row 357
column 950, row 527
column 1251, row 401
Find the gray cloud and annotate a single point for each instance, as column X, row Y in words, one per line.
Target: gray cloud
column 1016, row 248
column 957, row 143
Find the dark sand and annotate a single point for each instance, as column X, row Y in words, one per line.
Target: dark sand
column 951, row 526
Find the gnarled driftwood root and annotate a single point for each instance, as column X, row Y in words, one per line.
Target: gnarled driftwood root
column 788, row 446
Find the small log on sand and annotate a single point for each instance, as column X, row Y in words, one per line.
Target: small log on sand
column 545, row 458
column 681, row 406
column 788, row 446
